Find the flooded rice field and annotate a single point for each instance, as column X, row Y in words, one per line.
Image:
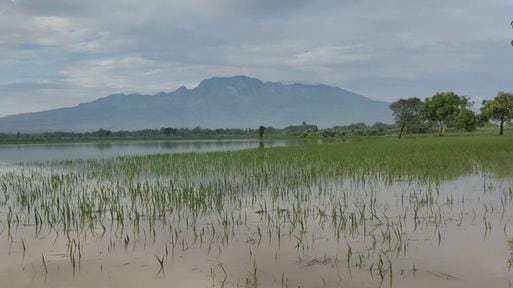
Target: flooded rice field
column 280, row 217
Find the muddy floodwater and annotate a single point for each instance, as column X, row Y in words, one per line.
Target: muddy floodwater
column 63, row 227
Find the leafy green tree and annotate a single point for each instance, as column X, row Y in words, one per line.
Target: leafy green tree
column 467, row 120
column 444, row 109
column 499, row 110
column 407, row 113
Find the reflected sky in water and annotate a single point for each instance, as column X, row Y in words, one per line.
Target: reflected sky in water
column 73, row 151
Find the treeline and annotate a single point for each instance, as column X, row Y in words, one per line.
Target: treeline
column 359, row 129
column 302, row 130
column 447, row 109
column 145, row 133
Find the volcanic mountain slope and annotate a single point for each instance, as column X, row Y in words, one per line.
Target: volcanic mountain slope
column 221, row 102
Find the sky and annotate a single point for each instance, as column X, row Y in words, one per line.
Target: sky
column 56, row 53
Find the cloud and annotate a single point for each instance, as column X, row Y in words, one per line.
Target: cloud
column 384, row 49
column 32, row 86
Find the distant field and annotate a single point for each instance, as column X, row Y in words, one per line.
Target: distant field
column 133, row 136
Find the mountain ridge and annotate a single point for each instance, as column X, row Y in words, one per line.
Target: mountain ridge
column 217, row 102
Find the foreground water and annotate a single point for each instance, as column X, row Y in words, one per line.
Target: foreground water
column 61, row 229
column 14, row 153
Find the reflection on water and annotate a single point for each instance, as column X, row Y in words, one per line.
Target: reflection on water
column 73, row 151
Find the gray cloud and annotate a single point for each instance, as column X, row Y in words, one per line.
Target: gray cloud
column 65, row 52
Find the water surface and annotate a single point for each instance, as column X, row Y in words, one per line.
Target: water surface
column 15, row 153
column 451, row 234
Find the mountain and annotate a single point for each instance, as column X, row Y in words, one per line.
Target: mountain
column 220, row 102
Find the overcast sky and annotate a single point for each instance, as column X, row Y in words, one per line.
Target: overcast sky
column 62, row 52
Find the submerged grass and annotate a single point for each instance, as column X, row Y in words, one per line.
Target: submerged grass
column 422, row 158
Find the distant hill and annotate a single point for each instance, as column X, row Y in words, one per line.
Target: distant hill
column 221, row 102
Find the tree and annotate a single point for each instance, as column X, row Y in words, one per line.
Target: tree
column 407, row 113
column 168, row 131
column 102, row 132
column 261, row 131
column 499, row 110
column 444, row 108
column 467, row 120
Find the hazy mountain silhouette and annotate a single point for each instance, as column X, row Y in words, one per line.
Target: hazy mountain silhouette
column 221, row 102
